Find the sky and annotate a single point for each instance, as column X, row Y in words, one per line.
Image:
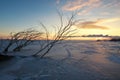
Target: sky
column 97, row 16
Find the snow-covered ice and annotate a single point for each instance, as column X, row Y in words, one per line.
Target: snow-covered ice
column 70, row 60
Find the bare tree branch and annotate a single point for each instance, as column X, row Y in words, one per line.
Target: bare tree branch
column 62, row 33
column 22, row 39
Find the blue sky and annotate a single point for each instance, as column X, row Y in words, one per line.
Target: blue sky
column 23, row 13
column 16, row 15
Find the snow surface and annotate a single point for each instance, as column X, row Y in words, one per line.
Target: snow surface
column 71, row 60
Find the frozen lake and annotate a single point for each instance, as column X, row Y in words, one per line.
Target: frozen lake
column 70, row 60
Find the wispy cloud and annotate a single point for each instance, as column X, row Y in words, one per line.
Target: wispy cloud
column 95, row 24
column 114, row 3
column 58, row 1
column 72, row 5
column 108, row 20
column 90, row 25
column 86, row 6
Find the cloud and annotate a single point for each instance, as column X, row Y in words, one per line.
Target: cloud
column 84, row 7
column 91, row 25
column 95, row 24
column 114, row 3
column 108, row 20
column 58, row 1
column 72, row 5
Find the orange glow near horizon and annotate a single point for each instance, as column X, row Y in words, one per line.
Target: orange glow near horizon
column 108, row 26
column 90, row 38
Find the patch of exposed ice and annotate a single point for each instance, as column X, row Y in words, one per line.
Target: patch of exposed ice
column 7, row 77
column 114, row 58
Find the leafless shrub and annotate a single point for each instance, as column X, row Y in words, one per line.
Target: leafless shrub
column 62, row 32
column 26, row 38
column 22, row 39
